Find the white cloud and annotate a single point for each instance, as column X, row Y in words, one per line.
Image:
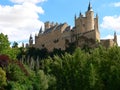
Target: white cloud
column 108, row 37
column 111, row 22
column 116, row 4
column 20, row 20
column 30, row 1
column 118, row 39
column 111, row 37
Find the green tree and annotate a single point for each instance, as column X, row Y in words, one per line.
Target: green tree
column 17, row 80
column 2, row 78
column 5, row 47
column 68, row 70
column 15, row 45
column 41, row 81
column 4, row 43
column 97, row 70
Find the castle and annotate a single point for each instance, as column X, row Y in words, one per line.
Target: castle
column 85, row 32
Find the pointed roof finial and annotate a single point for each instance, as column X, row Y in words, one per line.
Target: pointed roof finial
column 40, row 31
column 75, row 16
column 115, row 38
column 96, row 15
column 80, row 13
column 89, row 6
column 31, row 36
column 114, row 32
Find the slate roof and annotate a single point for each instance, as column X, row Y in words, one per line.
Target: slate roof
column 56, row 27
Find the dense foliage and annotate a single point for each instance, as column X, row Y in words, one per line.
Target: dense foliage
column 99, row 70
column 2, row 78
column 4, row 43
column 5, row 47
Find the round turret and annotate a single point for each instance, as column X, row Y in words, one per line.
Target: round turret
column 31, row 40
column 90, row 18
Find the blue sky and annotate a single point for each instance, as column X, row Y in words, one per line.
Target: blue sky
column 20, row 18
column 65, row 10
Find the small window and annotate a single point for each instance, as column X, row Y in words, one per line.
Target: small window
column 66, row 41
column 43, row 45
column 56, row 41
column 83, row 25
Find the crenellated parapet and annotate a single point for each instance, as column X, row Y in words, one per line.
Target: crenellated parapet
column 85, row 32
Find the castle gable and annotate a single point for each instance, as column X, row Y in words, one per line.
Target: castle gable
column 85, row 32
column 49, row 30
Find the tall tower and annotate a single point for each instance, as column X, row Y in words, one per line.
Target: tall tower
column 30, row 41
column 75, row 19
column 96, row 28
column 89, row 18
column 96, row 23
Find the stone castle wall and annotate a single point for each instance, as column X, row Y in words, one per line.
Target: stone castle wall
column 86, row 30
column 53, row 39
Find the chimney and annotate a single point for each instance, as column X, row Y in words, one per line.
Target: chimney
column 47, row 25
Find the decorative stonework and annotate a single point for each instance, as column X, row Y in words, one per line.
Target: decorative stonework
column 85, row 32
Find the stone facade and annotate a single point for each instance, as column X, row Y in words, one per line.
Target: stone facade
column 85, row 31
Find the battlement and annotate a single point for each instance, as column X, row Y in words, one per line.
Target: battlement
column 85, row 31
column 49, row 25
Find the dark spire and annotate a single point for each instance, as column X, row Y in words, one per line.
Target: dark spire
column 31, row 40
column 114, row 33
column 75, row 16
column 40, row 31
column 115, row 38
column 89, row 7
column 80, row 14
column 96, row 15
column 31, row 36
